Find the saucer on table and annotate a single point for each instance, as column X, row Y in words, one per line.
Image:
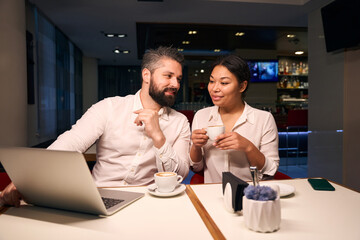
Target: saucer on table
column 179, row 189
column 285, row 189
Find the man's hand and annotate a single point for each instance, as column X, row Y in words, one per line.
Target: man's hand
column 150, row 118
column 10, row 196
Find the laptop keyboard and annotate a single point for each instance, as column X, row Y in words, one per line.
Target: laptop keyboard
column 110, row 202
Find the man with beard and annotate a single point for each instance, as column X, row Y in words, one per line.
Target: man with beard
column 137, row 135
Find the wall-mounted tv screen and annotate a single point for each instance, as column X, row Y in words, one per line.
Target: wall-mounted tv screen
column 263, row 71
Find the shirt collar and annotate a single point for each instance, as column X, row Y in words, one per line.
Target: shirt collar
column 247, row 115
column 163, row 112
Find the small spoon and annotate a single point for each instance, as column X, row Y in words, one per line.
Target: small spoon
column 152, row 187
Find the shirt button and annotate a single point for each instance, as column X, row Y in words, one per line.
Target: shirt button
column 139, row 154
column 132, row 170
column 145, row 138
column 161, row 155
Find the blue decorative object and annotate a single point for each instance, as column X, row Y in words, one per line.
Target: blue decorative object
column 260, row 193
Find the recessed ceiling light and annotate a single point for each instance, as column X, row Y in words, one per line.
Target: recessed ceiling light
column 185, row 42
column 299, row 52
column 117, row 51
column 192, row 32
column 180, row 49
column 239, row 34
column 217, row 50
column 111, row 35
column 290, row 35
column 202, row 71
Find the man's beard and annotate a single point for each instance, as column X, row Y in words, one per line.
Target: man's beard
column 160, row 97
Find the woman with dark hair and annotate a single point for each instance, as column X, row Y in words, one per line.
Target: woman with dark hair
column 250, row 138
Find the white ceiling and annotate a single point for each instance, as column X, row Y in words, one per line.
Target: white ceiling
column 83, row 21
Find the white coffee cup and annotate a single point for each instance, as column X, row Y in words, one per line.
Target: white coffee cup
column 167, row 181
column 214, row 131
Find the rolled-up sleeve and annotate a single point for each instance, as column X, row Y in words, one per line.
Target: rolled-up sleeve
column 269, row 147
column 86, row 130
column 175, row 158
column 197, row 166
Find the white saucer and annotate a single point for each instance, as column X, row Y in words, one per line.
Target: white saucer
column 285, row 189
column 179, row 189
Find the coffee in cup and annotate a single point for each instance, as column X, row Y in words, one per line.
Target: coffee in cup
column 214, row 131
column 167, row 181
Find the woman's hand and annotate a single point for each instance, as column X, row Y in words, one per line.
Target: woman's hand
column 232, row 140
column 199, row 138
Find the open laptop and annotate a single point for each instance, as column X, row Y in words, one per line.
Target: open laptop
column 62, row 180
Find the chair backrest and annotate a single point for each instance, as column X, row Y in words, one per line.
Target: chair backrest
column 297, row 117
column 189, row 114
column 197, row 178
column 280, row 175
column 4, row 180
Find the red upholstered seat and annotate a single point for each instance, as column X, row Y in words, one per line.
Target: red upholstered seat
column 280, row 175
column 189, row 114
column 4, row 180
column 297, row 117
column 197, row 178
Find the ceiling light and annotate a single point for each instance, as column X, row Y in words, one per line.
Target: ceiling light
column 299, row 52
column 180, row 49
column 217, row 50
column 117, row 51
column 192, row 32
column 291, row 35
column 239, row 34
column 111, row 35
column 185, row 42
column 202, row 71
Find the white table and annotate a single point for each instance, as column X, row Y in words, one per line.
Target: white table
column 197, row 214
column 148, row 218
column 308, row 214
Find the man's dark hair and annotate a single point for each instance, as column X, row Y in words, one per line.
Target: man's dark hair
column 152, row 57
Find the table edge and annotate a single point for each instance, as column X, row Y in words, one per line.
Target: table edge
column 205, row 216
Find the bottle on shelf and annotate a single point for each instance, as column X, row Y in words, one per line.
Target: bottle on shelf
column 293, row 72
column 281, row 68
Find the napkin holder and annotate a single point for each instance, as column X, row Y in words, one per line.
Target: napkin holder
column 233, row 191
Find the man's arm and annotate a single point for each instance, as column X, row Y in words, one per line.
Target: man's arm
column 175, row 158
column 171, row 158
column 86, row 130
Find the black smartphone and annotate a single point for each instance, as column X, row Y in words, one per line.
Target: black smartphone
column 321, row 184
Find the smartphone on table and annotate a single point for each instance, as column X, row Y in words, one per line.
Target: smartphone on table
column 321, row 184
